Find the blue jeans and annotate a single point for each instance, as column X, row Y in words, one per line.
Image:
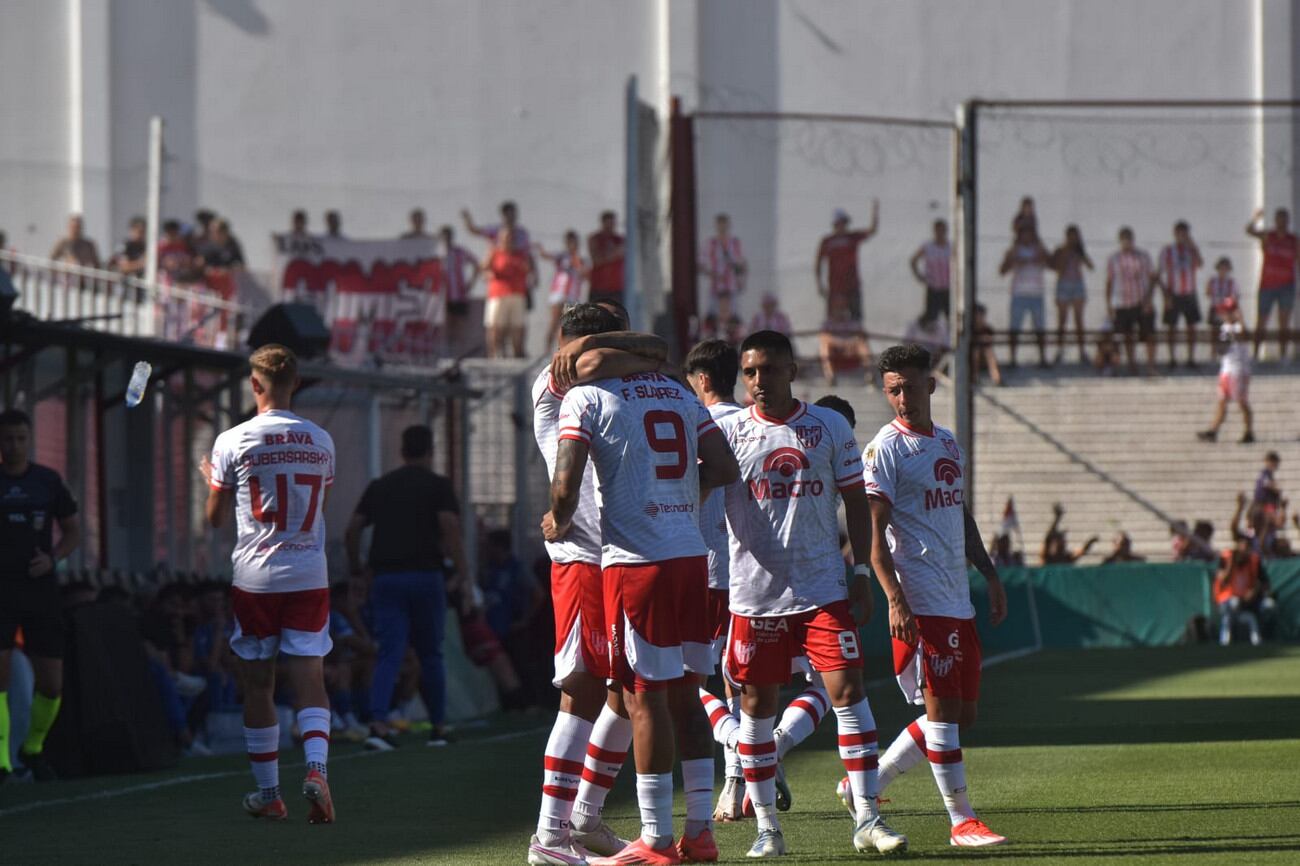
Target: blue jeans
column 409, row 606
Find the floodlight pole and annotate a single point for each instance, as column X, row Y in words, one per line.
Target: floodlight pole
column 966, row 295
column 153, row 204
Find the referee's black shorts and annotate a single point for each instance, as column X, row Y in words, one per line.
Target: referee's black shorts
column 38, row 611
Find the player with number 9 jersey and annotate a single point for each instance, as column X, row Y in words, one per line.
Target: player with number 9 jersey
column 643, row 432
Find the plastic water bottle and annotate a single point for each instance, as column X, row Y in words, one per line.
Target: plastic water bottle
column 139, row 382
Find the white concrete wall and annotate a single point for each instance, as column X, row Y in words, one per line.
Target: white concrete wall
column 376, row 108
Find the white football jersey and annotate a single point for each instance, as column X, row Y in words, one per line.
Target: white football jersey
column 279, row 465
column 782, row 514
column 922, row 476
column 643, row 431
column 582, row 544
column 713, row 517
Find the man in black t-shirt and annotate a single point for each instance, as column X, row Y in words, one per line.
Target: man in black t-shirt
column 32, row 499
column 416, row 522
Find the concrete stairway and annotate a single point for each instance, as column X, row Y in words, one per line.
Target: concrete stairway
column 1121, row 453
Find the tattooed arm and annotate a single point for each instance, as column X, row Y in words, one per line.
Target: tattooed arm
column 566, row 488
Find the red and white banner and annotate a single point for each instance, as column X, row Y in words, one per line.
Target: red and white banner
column 382, row 300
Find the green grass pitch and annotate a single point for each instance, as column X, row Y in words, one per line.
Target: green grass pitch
column 1179, row 755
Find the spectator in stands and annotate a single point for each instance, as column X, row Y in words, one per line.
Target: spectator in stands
column 1268, row 495
column 175, row 257
column 606, row 249
column 1218, row 290
column 35, row 500
column 842, row 286
column 460, row 270
column 416, row 522
column 1276, row 277
column 484, row 648
column 771, row 317
column 74, row 248
column 724, row 264
column 1107, row 356
column 566, row 285
column 1026, row 260
column 220, row 250
column 417, row 225
column 1176, row 277
column 1025, row 219
column 1069, row 261
column 298, row 225
column 1122, row 551
column 348, row 666
column 334, row 225
column 509, row 220
column 931, row 333
column 1129, row 281
column 842, row 336
column 201, row 229
column 1238, row 590
column 1234, row 374
column 1055, row 549
column 506, row 312
column 983, row 358
column 129, row 260
column 1188, row 545
column 1003, row 553
column 932, row 266
column 211, row 646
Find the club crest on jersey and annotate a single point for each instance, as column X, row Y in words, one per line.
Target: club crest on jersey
column 743, row 651
column 809, row 435
column 941, row 665
column 952, row 449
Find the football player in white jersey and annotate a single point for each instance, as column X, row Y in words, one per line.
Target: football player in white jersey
column 923, row 533
column 789, row 593
column 592, row 733
column 276, row 469
column 655, row 450
column 710, row 369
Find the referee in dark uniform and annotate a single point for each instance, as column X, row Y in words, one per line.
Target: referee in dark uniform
column 416, row 521
column 32, row 499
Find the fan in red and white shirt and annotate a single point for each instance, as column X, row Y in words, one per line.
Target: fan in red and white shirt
column 566, row 285
column 591, row 735
column 1219, row 288
column 1234, row 373
column 1277, row 275
column 1177, row 279
column 923, row 533
column 724, row 264
column 275, row 469
column 789, row 593
column 1129, row 279
column 655, row 449
column 932, row 267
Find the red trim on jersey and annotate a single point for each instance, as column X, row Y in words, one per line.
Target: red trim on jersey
column 550, row 386
column 903, row 427
column 848, row 477
column 800, row 408
column 576, row 435
column 952, row 756
column 560, row 765
column 216, row 485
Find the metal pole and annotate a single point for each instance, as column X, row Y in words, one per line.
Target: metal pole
column 469, row 518
column 631, row 206
column 375, row 447
column 154, row 201
column 966, row 297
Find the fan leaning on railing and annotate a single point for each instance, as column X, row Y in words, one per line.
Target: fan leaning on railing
column 198, row 313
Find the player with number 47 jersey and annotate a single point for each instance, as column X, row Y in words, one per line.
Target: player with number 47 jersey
column 276, row 468
column 789, row 593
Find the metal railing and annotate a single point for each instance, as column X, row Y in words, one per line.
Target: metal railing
column 198, row 313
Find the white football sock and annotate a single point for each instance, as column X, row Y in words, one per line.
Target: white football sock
column 697, row 783
column 654, row 794
column 562, row 771
column 858, row 746
column 611, row 737
column 800, row 719
column 904, row 753
column 314, row 728
column 944, row 750
column 264, row 757
column 757, row 751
